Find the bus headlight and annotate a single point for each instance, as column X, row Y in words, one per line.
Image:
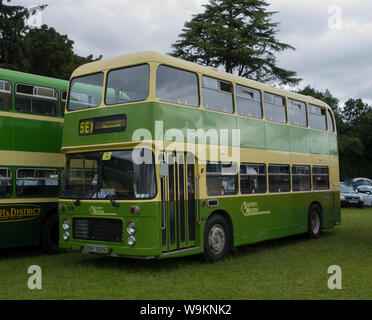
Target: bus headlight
column 66, row 224
column 66, row 235
column 131, row 241
column 131, row 227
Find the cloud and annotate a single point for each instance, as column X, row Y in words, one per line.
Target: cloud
column 338, row 60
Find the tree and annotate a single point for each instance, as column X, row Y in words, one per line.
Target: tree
column 40, row 51
column 12, row 29
column 51, row 54
column 237, row 35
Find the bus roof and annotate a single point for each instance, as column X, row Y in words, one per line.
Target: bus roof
column 152, row 56
column 21, row 77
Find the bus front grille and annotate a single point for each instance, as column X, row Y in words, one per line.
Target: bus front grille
column 110, row 230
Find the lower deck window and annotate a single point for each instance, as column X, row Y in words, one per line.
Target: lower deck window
column 252, row 178
column 222, row 179
column 32, row 182
column 279, row 179
column 320, row 178
column 5, row 182
column 301, row 179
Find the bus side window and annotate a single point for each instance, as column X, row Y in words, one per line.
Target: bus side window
column 222, row 179
column 320, row 178
column 297, row 113
column 274, row 108
column 177, row 86
column 5, row 95
column 317, row 117
column 252, row 178
column 6, row 182
column 217, row 95
column 248, row 102
column 36, row 100
column 301, row 179
column 279, row 178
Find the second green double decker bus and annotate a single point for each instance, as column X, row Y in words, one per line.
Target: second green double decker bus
column 168, row 158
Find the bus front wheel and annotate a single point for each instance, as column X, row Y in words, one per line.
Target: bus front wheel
column 49, row 234
column 216, row 238
column 314, row 221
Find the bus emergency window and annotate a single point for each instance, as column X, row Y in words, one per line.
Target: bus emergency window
column 274, row 108
column 317, row 117
column 177, row 86
column 222, row 179
column 217, row 95
column 85, row 92
column 127, row 85
column 279, row 178
column 331, row 127
column 252, row 178
column 297, row 113
column 301, row 178
column 5, row 95
column 320, row 178
column 36, row 100
column 32, row 182
column 248, row 102
column 5, row 182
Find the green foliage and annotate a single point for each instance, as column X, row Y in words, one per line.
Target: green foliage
column 238, row 35
column 39, row 51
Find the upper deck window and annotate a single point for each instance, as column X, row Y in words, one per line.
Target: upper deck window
column 317, row 117
column 217, row 95
column 35, row 99
column 248, row 102
column 177, row 86
column 297, row 113
column 85, row 92
column 274, row 108
column 127, row 85
column 5, row 95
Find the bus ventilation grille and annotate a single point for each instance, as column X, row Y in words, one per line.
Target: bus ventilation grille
column 96, row 229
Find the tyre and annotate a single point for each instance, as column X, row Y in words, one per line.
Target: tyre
column 216, row 238
column 50, row 234
column 314, row 221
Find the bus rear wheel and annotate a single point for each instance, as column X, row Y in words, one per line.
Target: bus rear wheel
column 216, row 238
column 314, row 221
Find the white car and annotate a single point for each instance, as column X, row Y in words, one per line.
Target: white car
column 366, row 191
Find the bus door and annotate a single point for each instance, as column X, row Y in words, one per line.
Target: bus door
column 178, row 201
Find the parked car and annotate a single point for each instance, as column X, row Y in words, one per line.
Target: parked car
column 356, row 182
column 366, row 192
column 349, row 197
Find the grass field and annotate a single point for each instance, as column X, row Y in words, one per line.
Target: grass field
column 290, row 268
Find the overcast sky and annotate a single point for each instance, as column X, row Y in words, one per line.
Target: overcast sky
column 332, row 37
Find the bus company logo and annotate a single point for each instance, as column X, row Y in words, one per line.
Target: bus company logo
column 99, row 211
column 251, row 209
column 96, row 210
column 19, row 212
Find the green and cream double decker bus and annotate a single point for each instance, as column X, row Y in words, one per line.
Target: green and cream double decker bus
column 168, row 158
column 31, row 119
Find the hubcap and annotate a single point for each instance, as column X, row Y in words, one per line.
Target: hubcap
column 217, row 239
column 315, row 222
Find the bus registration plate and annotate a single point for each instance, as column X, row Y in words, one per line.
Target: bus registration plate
column 95, row 248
